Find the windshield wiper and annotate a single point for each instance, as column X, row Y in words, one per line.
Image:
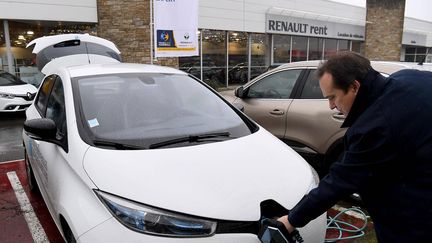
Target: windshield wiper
column 116, row 145
column 190, row 139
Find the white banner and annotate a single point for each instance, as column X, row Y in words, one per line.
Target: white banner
column 175, row 28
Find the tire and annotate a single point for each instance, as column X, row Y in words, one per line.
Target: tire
column 30, row 175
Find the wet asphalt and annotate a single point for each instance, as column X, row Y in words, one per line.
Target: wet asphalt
column 11, row 126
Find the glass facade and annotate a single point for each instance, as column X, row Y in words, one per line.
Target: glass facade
column 281, row 49
column 299, row 48
column 260, row 54
column 315, row 48
column 233, row 58
column 22, row 33
column 330, row 47
column 417, row 54
column 192, row 64
column 214, row 57
column 343, row 45
column 357, row 46
column 238, row 59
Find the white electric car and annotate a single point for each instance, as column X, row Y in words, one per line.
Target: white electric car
column 15, row 94
column 140, row 153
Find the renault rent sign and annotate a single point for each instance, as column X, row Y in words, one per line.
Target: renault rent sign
column 280, row 24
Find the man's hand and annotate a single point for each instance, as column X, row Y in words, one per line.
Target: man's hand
column 284, row 220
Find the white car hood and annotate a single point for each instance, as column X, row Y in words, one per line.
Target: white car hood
column 18, row 89
column 222, row 180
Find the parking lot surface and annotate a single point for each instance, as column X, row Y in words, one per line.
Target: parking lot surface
column 23, row 214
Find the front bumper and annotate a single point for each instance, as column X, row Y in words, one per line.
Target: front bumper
column 14, row 105
column 112, row 231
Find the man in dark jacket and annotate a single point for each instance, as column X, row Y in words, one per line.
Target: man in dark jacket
column 388, row 149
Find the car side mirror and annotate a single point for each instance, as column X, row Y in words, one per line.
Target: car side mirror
column 239, row 92
column 41, row 129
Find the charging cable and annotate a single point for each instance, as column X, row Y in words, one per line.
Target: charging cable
column 333, row 223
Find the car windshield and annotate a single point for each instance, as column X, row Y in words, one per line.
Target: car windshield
column 146, row 109
column 7, row 79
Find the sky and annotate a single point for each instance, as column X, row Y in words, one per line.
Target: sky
column 419, row 9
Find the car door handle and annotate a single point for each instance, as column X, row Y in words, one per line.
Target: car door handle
column 277, row 112
column 338, row 116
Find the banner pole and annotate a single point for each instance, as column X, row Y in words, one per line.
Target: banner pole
column 151, row 32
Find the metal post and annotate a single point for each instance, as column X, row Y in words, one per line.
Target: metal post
column 272, row 49
column 151, row 32
column 249, row 56
column 201, row 54
column 227, row 57
column 323, row 50
column 291, row 45
column 10, row 61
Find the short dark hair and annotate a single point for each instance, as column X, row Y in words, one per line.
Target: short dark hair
column 345, row 67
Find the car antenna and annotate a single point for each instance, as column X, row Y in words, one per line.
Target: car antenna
column 424, row 58
column 88, row 57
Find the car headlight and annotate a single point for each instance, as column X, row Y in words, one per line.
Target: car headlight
column 154, row 221
column 7, row 96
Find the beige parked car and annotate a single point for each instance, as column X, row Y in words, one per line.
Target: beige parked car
column 288, row 102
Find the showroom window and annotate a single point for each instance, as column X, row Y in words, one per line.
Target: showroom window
column 214, row 57
column 260, row 54
column 417, row 54
column 22, row 33
column 330, row 48
column 356, row 46
column 237, row 58
column 192, row 64
column 281, row 49
column 315, row 48
column 2, row 48
column 343, row 45
column 299, row 48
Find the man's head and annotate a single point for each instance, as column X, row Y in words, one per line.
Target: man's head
column 340, row 79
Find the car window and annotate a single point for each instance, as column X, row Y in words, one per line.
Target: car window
column 143, row 109
column 56, row 108
column 275, row 86
column 43, row 94
column 9, row 79
column 311, row 89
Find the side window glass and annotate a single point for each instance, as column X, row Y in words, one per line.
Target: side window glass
column 44, row 90
column 276, row 86
column 56, row 108
column 311, row 89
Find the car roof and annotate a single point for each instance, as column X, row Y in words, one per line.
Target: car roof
column 387, row 67
column 100, row 69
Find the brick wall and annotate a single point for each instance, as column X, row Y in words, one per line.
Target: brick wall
column 127, row 24
column 384, row 33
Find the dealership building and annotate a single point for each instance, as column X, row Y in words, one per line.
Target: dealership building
column 238, row 39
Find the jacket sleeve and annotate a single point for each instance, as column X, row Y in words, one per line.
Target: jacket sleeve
column 369, row 151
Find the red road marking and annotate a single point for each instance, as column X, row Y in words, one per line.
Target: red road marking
column 13, row 225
